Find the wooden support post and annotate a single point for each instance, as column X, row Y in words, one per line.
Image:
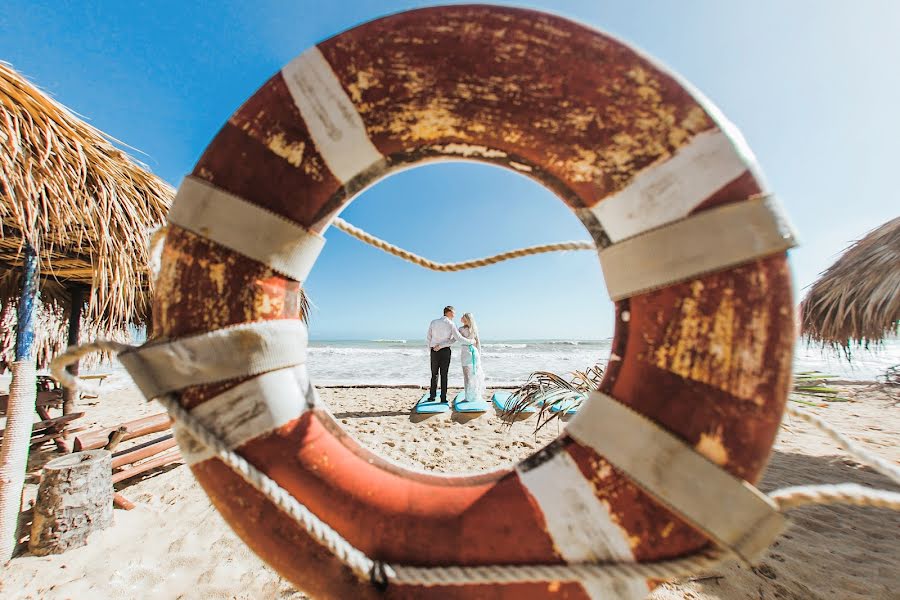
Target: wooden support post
column 76, row 300
column 75, row 499
column 27, row 304
column 20, row 410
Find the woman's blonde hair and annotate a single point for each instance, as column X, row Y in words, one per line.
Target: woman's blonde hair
column 469, row 320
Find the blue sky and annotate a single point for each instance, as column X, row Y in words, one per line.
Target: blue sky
column 813, row 85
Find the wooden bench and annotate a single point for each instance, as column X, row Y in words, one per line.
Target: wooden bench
column 98, row 377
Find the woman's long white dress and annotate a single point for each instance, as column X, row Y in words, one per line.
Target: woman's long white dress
column 473, row 373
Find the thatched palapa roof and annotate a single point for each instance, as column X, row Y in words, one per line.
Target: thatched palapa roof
column 88, row 207
column 857, row 300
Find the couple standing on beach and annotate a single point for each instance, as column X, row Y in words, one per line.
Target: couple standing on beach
column 443, row 333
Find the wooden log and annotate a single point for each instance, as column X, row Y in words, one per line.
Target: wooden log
column 160, row 461
column 115, row 437
column 143, row 451
column 142, row 445
column 61, row 444
column 121, row 501
column 56, row 436
column 74, row 500
column 136, row 428
column 51, row 423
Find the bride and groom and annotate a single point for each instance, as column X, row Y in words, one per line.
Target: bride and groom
column 443, row 333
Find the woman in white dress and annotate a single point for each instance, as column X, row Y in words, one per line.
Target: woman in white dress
column 473, row 373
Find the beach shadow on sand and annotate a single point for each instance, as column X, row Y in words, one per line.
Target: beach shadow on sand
column 465, row 417
column 415, row 417
column 859, row 543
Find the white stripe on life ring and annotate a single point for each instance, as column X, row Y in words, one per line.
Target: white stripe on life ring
column 670, row 190
column 246, row 228
column 723, row 507
column 250, row 409
column 579, row 524
column 333, row 121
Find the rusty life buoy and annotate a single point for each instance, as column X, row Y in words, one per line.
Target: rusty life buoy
column 706, row 357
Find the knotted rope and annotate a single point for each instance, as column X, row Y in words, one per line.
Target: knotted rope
column 381, row 573
column 408, row 256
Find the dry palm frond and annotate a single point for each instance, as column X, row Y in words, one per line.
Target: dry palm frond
column 814, row 384
column 891, row 376
column 857, row 300
column 553, row 395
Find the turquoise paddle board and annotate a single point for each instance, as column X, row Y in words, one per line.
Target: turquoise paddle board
column 567, row 407
column 460, row 404
column 424, row 407
column 503, row 404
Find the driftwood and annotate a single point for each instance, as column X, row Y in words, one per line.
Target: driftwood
column 74, row 500
column 61, row 444
column 57, row 436
column 137, row 428
column 51, row 423
column 120, row 501
column 115, row 437
column 160, row 461
column 142, row 451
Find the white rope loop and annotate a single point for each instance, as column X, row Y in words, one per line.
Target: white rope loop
column 380, row 573
column 839, row 493
column 884, row 467
column 75, row 353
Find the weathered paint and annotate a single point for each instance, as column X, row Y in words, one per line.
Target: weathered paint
column 28, row 299
column 584, row 115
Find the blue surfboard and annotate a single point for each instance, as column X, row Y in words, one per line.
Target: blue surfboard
column 424, row 407
column 504, row 404
column 460, row 404
column 567, row 407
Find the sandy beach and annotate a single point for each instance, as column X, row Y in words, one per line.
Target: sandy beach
column 175, row 545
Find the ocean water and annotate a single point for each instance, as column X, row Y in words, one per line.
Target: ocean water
column 509, row 362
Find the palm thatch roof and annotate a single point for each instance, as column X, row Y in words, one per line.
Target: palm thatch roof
column 857, row 300
column 67, row 189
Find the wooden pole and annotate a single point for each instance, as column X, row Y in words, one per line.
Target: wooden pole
column 160, row 461
column 76, row 300
column 140, row 453
column 20, row 410
column 27, row 304
column 136, row 428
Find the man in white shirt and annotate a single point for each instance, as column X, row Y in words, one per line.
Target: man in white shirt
column 442, row 333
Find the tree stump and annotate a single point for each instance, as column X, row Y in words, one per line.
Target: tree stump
column 74, row 500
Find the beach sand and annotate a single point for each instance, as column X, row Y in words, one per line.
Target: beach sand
column 175, row 545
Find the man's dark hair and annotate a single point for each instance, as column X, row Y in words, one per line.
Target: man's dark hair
column 448, row 309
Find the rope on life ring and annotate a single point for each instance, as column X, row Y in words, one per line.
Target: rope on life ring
column 692, row 247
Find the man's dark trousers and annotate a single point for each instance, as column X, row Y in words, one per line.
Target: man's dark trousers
column 440, row 361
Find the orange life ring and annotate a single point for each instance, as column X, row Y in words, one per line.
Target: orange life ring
column 588, row 117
